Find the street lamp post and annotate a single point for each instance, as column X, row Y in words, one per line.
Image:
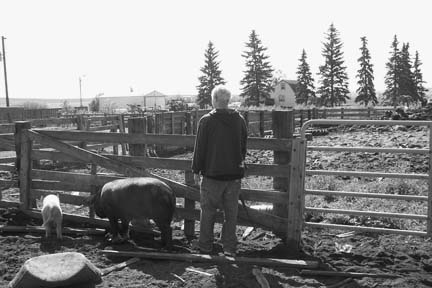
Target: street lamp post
column 80, row 88
column 5, row 74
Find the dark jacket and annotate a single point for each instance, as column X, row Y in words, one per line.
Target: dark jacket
column 220, row 145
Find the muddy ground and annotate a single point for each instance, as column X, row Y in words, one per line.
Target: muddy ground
column 408, row 257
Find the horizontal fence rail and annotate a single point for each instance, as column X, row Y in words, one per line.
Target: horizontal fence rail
column 367, row 174
column 365, row 195
column 164, row 139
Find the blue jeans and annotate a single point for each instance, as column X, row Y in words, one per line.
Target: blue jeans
column 216, row 194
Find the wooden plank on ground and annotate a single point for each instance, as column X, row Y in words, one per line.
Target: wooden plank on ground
column 119, row 266
column 38, row 229
column 346, row 274
column 291, row 263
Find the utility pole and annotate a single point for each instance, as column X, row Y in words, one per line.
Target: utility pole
column 80, row 84
column 5, row 73
column 80, row 92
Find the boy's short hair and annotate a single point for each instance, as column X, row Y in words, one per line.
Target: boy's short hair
column 220, row 94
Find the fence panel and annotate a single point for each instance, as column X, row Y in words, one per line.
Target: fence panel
column 426, row 177
column 40, row 182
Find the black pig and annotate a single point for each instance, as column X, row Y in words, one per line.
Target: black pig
column 136, row 198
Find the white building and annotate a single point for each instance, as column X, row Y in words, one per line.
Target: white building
column 154, row 100
column 284, row 93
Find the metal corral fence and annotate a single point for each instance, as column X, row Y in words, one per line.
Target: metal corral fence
column 426, row 177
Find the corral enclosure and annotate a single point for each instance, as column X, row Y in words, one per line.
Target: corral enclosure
column 56, row 145
column 155, row 135
column 73, row 186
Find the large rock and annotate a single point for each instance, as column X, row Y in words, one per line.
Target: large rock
column 70, row 269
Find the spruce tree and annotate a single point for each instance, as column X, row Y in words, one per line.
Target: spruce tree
column 257, row 81
column 305, row 91
column 366, row 91
column 392, row 77
column 407, row 87
column 211, row 76
column 334, row 79
column 418, row 80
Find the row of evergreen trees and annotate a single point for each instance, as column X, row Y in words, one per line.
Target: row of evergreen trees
column 404, row 79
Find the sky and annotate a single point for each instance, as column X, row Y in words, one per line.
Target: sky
column 119, row 46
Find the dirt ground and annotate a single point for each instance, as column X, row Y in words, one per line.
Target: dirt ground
column 408, row 257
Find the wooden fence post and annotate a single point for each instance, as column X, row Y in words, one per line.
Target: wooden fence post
column 93, row 189
column 23, row 147
column 195, row 122
column 189, row 124
column 122, row 130
column 342, row 113
column 261, row 123
column 151, row 128
column 80, row 122
column 159, row 129
column 162, row 123
column 150, row 124
column 189, row 225
column 83, row 123
column 115, row 146
column 137, row 125
column 172, row 119
column 283, row 127
column 296, row 193
column 246, row 117
column 301, row 117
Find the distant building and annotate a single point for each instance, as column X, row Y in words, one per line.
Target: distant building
column 154, row 100
column 81, row 108
column 284, row 93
